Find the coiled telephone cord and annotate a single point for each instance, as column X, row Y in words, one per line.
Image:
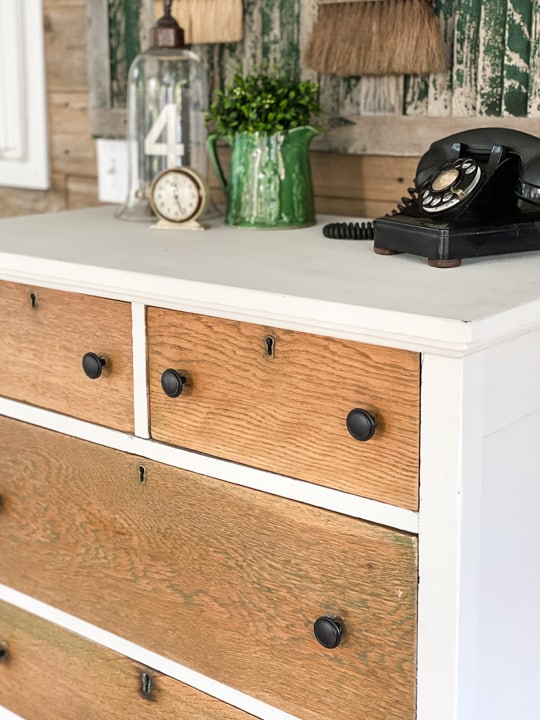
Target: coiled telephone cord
column 349, row 231
column 365, row 230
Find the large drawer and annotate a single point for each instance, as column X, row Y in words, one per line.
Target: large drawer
column 287, row 411
column 224, row 579
column 45, row 335
column 51, row 674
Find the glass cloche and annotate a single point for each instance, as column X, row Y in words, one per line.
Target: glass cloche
column 167, row 102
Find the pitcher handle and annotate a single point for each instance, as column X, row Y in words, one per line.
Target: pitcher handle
column 211, row 146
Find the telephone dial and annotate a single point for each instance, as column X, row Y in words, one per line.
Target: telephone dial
column 475, row 193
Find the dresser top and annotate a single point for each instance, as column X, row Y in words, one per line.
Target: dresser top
column 294, row 278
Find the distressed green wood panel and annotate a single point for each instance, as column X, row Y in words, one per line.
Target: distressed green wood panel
column 493, row 47
column 491, row 57
column 466, row 54
column 124, row 44
column 416, row 95
column 533, row 107
column 271, row 38
column 440, row 84
column 516, row 58
column 432, row 94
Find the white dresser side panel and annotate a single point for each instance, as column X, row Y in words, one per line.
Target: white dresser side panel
column 509, row 622
column 513, row 379
column 499, row 584
column 450, row 497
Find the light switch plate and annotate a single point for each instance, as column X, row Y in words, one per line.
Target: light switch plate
column 112, row 166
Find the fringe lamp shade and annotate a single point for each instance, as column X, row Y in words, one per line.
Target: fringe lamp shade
column 375, row 37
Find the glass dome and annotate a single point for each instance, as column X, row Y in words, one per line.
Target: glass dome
column 167, row 101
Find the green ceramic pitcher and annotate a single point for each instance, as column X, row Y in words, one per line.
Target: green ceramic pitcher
column 269, row 183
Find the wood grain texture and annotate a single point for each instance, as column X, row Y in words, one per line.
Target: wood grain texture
column 288, row 413
column 43, row 348
column 52, row 674
column 224, row 579
column 81, row 192
column 72, row 150
column 65, row 47
column 14, row 201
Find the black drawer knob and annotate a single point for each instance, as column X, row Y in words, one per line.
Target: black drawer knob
column 361, row 424
column 172, row 382
column 328, row 630
column 4, row 655
column 93, row 365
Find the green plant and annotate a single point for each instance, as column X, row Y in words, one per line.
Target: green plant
column 265, row 103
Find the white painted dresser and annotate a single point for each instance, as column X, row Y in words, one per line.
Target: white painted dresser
column 178, row 519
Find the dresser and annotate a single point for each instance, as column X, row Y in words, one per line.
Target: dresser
column 269, row 475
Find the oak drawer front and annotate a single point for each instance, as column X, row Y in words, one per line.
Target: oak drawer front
column 46, row 333
column 224, row 579
column 51, row 674
column 287, row 413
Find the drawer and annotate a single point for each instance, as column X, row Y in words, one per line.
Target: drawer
column 45, row 335
column 224, row 579
column 52, row 674
column 287, row 412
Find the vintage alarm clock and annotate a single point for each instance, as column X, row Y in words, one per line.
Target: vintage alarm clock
column 178, row 196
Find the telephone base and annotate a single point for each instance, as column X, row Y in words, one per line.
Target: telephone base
column 445, row 244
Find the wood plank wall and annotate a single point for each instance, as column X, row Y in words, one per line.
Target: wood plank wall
column 494, row 73
column 344, row 184
column 72, row 148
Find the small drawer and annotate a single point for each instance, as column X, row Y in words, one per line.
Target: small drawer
column 279, row 400
column 47, row 333
column 47, row 673
column 224, row 579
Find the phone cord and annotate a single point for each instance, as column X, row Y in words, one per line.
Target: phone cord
column 365, row 230
column 406, row 202
column 349, row 231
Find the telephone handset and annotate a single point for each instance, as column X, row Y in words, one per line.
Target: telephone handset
column 475, row 193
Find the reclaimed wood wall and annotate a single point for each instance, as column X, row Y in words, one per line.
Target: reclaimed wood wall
column 71, row 146
column 375, row 127
column 492, row 47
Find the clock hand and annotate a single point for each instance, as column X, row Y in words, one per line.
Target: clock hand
column 177, row 198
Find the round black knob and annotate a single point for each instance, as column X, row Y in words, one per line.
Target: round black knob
column 93, row 365
column 3, row 651
column 172, row 382
column 328, row 630
column 360, row 424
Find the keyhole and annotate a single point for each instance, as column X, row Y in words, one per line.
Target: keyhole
column 142, row 475
column 146, row 686
column 33, row 300
column 269, row 346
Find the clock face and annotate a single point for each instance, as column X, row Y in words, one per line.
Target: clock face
column 178, row 195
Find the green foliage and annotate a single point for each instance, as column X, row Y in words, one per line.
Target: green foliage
column 265, row 103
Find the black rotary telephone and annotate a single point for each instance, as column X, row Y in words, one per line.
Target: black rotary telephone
column 475, row 193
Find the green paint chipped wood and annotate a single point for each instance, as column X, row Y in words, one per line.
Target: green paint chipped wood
column 491, row 57
column 493, row 48
column 516, row 58
column 466, row 52
column 124, row 43
column 533, row 98
column 440, row 84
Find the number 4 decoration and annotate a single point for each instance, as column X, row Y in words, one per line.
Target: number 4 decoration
column 166, row 122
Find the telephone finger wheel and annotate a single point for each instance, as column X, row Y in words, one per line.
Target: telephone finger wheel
column 453, row 184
